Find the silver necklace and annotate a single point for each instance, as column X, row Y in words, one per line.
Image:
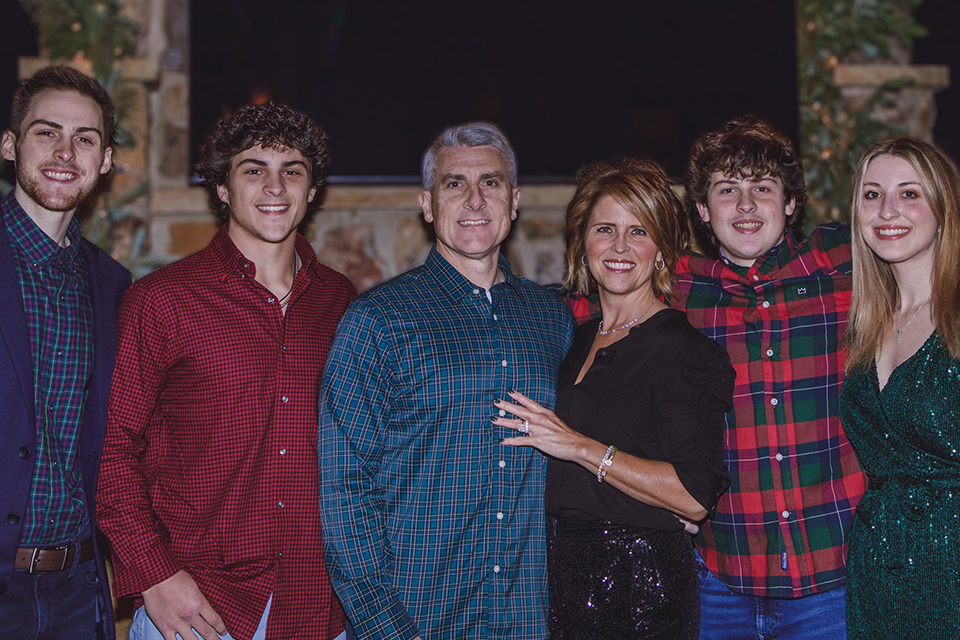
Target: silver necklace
column 914, row 315
column 625, row 326
column 296, row 269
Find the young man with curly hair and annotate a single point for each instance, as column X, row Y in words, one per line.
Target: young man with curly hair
column 208, row 488
column 773, row 554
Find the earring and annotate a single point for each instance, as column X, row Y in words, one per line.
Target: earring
column 659, row 264
column 583, row 260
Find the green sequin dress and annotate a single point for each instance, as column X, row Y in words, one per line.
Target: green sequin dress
column 903, row 560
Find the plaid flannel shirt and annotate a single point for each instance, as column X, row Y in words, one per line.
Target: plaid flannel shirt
column 781, row 529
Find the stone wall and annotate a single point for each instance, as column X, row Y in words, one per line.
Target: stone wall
column 372, row 233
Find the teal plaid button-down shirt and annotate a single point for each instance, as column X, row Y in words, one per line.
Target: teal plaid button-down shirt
column 430, row 525
column 59, row 310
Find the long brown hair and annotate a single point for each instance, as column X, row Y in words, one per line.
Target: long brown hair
column 875, row 295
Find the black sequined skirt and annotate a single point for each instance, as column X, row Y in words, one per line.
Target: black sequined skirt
column 619, row 582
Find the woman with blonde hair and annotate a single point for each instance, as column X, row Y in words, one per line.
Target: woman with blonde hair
column 900, row 403
column 636, row 442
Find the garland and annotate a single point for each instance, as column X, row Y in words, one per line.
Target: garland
column 832, row 136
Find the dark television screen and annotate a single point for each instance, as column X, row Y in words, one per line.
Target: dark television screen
column 569, row 82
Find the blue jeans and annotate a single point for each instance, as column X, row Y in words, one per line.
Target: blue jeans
column 727, row 615
column 143, row 628
column 57, row 605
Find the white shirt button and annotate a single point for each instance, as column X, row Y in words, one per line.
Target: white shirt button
column 769, row 353
column 284, row 398
column 283, row 452
column 271, row 300
column 476, row 291
column 496, row 568
column 785, row 514
column 766, row 304
column 755, row 277
column 280, row 504
column 499, row 515
column 494, row 316
column 779, row 456
column 502, row 413
column 774, row 401
column 503, row 363
column 502, row 463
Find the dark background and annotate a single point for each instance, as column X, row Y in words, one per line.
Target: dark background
column 570, row 83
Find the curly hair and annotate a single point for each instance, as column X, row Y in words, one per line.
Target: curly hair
column 59, row 78
column 747, row 148
column 272, row 126
column 642, row 188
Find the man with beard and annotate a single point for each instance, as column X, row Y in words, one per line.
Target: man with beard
column 57, row 342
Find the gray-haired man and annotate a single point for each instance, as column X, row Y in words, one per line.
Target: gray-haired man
column 432, row 528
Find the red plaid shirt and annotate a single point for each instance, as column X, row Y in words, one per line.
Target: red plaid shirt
column 210, row 460
column 781, row 529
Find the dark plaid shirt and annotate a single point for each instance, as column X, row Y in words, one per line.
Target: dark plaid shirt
column 59, row 310
column 431, row 526
column 210, row 459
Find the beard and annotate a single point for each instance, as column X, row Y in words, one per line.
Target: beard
column 53, row 199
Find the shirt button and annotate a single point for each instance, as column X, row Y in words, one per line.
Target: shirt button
column 279, row 554
column 502, row 413
column 499, row 515
column 766, row 304
column 59, row 352
column 271, row 300
column 503, row 363
column 502, row 463
column 280, row 504
column 284, row 398
column 496, row 568
column 494, row 316
column 779, row 456
column 50, row 407
column 774, row 401
column 769, row 353
column 283, row 452
column 756, row 277
column 476, row 292
column 785, row 514
column 24, row 452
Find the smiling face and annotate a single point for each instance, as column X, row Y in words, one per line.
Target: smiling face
column 267, row 191
column 59, row 154
column 471, row 205
column 747, row 215
column 895, row 218
column 619, row 252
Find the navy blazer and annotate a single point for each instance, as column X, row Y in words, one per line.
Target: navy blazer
column 108, row 282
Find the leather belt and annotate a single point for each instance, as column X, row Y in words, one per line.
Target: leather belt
column 43, row 560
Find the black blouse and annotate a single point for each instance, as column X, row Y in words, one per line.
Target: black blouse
column 659, row 393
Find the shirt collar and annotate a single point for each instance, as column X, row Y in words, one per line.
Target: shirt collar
column 774, row 259
column 456, row 285
column 231, row 260
column 36, row 247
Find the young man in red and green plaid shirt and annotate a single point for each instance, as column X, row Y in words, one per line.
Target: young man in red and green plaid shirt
column 774, row 552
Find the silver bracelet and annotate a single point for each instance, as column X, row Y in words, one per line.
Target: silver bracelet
column 606, row 463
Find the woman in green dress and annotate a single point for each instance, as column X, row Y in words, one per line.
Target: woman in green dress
column 900, row 403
